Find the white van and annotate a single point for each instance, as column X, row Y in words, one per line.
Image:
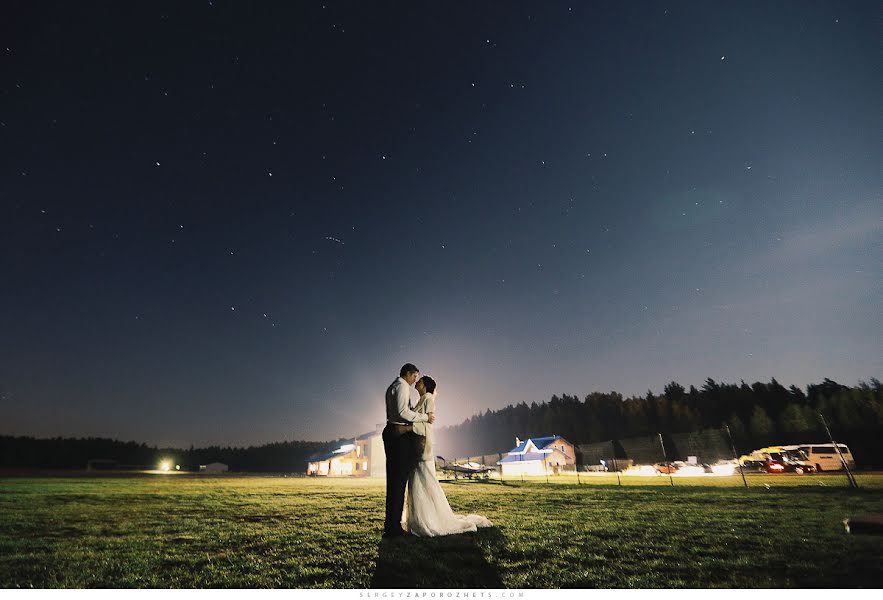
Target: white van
column 824, row 457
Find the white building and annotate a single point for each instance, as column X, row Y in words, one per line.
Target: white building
column 538, row 456
column 214, row 467
column 362, row 457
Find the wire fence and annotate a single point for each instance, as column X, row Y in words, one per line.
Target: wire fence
column 703, row 457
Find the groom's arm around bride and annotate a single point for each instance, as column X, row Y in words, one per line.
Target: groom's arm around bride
column 400, row 390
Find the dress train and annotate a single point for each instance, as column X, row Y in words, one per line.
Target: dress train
column 427, row 512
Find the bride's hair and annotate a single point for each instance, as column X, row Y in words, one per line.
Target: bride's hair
column 429, row 382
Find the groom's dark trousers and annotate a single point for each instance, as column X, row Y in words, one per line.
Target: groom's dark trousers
column 403, row 449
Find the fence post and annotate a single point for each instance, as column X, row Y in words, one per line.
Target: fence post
column 849, row 477
column 615, row 466
column 733, row 446
column 665, row 457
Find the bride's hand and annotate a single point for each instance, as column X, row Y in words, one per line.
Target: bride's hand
column 431, row 417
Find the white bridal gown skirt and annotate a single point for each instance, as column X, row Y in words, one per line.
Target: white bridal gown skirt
column 427, row 512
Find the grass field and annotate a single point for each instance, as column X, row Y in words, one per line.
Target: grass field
column 191, row 531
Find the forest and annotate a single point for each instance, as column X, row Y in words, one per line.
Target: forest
column 75, row 453
column 759, row 414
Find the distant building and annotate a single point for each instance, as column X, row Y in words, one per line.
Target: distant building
column 214, row 467
column 372, row 454
column 539, row 456
column 361, row 457
column 341, row 461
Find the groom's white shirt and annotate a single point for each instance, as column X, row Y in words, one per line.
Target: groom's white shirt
column 398, row 409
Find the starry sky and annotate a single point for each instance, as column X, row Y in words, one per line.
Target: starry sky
column 229, row 223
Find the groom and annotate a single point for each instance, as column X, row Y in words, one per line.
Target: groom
column 403, row 447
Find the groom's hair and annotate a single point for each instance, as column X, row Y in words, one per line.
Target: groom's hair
column 429, row 382
column 408, row 368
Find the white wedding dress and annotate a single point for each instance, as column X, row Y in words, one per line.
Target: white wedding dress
column 427, row 512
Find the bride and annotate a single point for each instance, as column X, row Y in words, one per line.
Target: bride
column 427, row 512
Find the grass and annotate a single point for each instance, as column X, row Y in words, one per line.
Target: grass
column 191, row 531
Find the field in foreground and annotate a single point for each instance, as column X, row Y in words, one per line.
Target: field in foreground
column 191, row 531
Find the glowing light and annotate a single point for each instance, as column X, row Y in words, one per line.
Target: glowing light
column 690, row 471
column 165, row 466
column 721, row 469
column 642, row 470
column 724, row 469
column 177, row 467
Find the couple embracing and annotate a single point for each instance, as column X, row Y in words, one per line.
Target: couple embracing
column 410, row 464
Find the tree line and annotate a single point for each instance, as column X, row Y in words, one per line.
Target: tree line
column 74, row 453
column 758, row 415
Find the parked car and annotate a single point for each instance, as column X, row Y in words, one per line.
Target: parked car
column 786, row 462
column 666, row 468
column 778, row 459
column 824, row 457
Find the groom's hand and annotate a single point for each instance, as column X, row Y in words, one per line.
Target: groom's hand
column 431, row 417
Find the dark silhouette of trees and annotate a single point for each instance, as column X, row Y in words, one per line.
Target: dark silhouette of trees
column 758, row 414
column 75, row 453
column 761, row 423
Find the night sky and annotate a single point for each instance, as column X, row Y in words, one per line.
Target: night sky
column 228, row 223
